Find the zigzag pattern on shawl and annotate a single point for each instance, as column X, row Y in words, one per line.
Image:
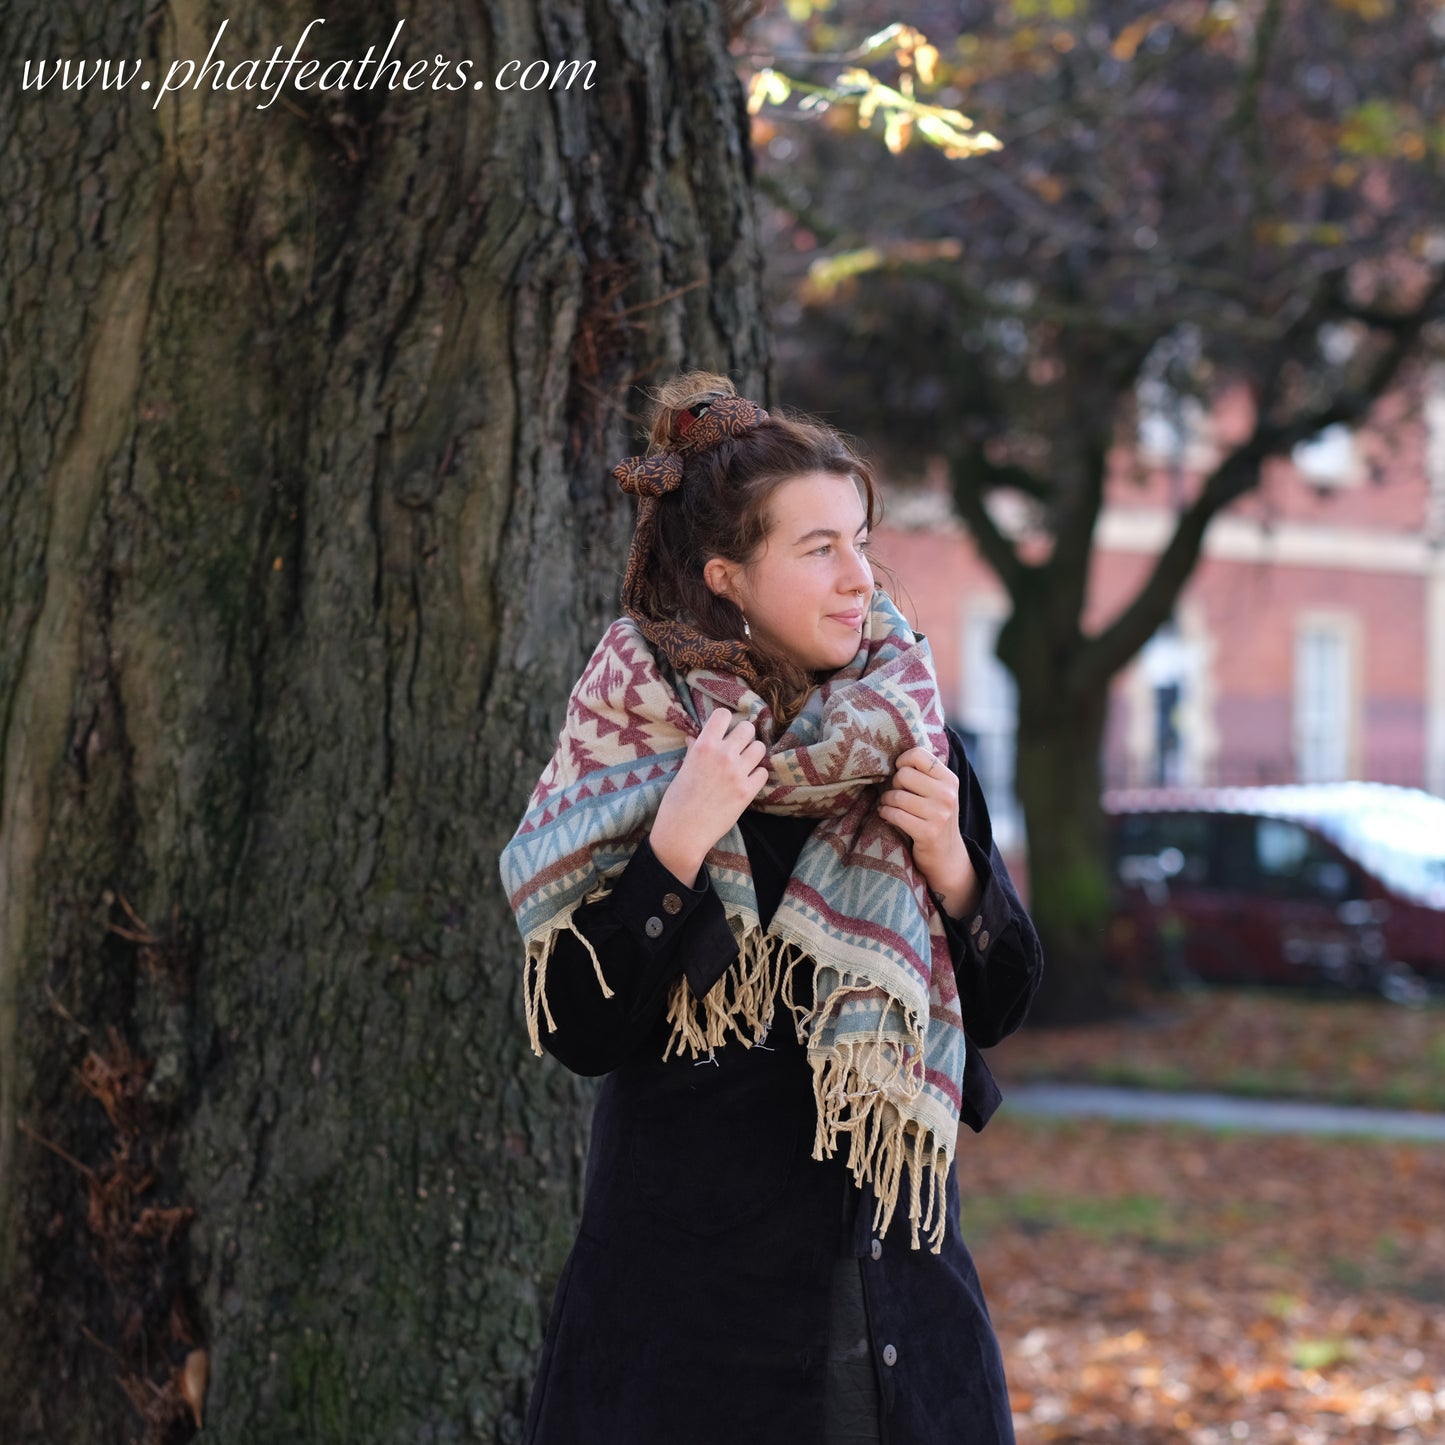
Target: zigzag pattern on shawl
column 883, row 1033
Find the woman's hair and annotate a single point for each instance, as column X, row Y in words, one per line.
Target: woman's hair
column 721, row 510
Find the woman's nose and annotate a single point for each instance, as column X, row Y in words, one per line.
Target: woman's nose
column 859, row 575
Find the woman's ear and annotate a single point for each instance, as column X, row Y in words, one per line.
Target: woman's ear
column 718, row 574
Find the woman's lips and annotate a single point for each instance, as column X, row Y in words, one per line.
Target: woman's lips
column 848, row 619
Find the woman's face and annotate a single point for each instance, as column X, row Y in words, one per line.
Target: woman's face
column 807, row 589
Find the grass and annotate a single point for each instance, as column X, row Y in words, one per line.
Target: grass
column 1134, row 1216
column 1252, row 1042
column 1321, row 1354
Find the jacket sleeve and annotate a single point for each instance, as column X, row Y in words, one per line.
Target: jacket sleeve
column 649, row 929
column 997, row 959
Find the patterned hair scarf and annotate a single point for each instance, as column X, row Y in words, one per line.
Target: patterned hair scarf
column 884, row 1034
column 650, row 478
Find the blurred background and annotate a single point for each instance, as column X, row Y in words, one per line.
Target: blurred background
column 1141, row 305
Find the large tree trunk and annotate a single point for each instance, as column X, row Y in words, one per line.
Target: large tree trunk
column 305, row 531
column 1058, row 787
column 1057, row 772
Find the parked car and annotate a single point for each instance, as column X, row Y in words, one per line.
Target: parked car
column 1339, row 883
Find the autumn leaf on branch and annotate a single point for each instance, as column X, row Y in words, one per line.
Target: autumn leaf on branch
column 903, row 114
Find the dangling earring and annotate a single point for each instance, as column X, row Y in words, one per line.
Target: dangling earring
column 747, row 631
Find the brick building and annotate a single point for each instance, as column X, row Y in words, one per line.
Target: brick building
column 1309, row 645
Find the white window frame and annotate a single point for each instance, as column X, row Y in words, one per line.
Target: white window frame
column 1326, row 721
column 1185, row 657
column 989, row 710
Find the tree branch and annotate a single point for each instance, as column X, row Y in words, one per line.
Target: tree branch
column 967, row 470
column 1161, row 318
column 1377, row 320
column 1236, row 474
column 810, row 216
column 1247, row 111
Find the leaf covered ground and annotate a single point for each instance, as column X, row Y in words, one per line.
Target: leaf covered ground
column 1336, row 1050
column 1154, row 1284
column 1163, row 1284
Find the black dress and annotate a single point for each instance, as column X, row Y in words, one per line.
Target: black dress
column 709, row 1298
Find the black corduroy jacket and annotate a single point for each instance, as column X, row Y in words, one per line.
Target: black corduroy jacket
column 693, row 1309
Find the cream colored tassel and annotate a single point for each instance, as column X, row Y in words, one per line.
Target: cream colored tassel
column 534, row 968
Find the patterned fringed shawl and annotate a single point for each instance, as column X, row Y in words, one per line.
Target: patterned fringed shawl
column 884, row 1034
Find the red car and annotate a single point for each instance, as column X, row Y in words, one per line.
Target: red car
column 1340, row 883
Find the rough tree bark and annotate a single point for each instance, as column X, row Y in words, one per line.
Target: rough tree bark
column 1059, row 741
column 305, row 530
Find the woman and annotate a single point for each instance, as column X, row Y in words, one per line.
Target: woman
column 759, row 893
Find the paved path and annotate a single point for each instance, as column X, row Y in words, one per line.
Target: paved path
column 1222, row 1111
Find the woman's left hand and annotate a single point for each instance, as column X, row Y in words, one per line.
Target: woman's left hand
column 922, row 802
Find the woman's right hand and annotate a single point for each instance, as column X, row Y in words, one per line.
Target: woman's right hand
column 721, row 774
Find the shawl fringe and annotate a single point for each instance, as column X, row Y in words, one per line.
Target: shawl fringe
column 539, row 952
column 850, row 1079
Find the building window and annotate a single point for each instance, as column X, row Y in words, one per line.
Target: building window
column 1172, row 427
column 1165, row 661
column 1322, row 701
column 1173, row 421
column 1435, row 605
column 1168, row 736
column 990, row 717
column 1328, row 458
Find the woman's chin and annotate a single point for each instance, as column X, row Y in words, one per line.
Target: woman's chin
column 842, row 654
column 828, row 654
